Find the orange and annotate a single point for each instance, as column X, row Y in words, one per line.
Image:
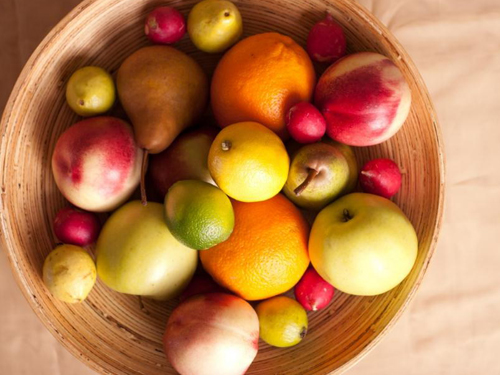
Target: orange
column 259, row 79
column 266, row 254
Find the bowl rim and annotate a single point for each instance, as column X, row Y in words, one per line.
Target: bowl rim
column 21, row 83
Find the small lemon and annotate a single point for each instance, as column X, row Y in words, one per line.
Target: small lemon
column 248, row 162
column 69, row 273
column 282, row 320
column 198, row 214
column 90, row 91
column 214, row 25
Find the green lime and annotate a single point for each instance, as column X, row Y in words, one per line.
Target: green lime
column 90, row 91
column 283, row 321
column 198, row 214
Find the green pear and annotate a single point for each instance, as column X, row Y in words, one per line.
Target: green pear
column 318, row 174
column 348, row 152
column 363, row 244
column 137, row 254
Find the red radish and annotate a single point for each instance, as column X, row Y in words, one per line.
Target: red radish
column 165, row 25
column 201, row 284
column 76, row 227
column 380, row 177
column 313, row 292
column 305, row 123
column 326, row 41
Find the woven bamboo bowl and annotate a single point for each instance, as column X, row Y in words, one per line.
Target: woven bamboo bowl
column 109, row 331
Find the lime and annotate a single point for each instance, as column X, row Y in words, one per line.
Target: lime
column 90, row 91
column 198, row 214
column 283, row 321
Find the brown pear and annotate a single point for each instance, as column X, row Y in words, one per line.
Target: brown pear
column 163, row 91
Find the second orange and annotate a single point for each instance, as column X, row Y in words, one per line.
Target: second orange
column 259, row 79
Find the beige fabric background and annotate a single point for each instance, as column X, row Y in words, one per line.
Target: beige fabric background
column 453, row 324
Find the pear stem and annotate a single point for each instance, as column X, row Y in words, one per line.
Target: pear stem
column 303, row 186
column 144, row 198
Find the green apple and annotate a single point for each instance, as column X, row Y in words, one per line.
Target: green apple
column 363, row 244
column 137, row 254
column 318, row 174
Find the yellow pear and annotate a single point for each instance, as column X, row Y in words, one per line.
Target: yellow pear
column 137, row 254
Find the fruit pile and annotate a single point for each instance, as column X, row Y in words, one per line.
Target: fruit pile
column 234, row 196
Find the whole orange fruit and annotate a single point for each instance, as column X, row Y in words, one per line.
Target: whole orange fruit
column 259, row 79
column 266, row 254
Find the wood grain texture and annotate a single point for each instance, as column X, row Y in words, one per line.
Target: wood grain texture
column 109, row 331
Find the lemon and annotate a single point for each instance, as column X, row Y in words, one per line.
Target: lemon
column 198, row 214
column 283, row 321
column 69, row 273
column 248, row 162
column 214, row 25
column 90, row 91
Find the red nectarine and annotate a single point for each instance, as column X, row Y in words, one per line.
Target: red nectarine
column 364, row 98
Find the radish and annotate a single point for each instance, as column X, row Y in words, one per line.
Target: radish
column 76, row 227
column 165, row 25
column 380, row 177
column 305, row 123
column 326, row 41
column 313, row 292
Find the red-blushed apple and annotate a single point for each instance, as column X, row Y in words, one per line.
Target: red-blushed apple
column 96, row 163
column 380, row 177
column 312, row 291
column 185, row 159
column 212, row 333
column 364, row 98
column 76, row 227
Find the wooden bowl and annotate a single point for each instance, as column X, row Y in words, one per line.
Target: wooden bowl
column 109, row 331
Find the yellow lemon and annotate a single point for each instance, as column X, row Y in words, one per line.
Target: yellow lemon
column 283, row 321
column 248, row 162
column 90, row 91
column 214, row 25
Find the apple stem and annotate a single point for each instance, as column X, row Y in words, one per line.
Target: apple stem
column 303, row 186
column 144, row 198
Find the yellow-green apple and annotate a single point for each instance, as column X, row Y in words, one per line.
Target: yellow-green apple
column 318, row 174
column 96, row 163
column 363, row 244
column 185, row 159
column 364, row 98
column 213, row 333
column 137, row 254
